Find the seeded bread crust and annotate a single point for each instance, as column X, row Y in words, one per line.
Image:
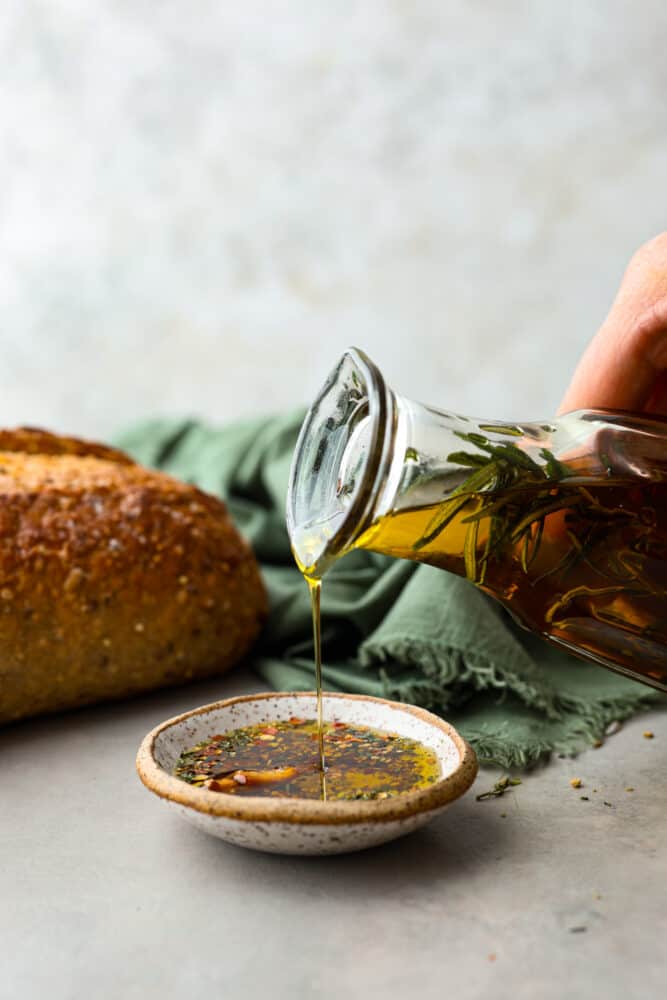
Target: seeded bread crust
column 114, row 579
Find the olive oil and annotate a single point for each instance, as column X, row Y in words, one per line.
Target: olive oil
column 585, row 566
column 315, row 589
column 283, row 759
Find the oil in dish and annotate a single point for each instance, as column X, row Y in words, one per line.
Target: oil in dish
column 282, row 759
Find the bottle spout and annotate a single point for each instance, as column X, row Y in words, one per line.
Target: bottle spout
column 343, row 447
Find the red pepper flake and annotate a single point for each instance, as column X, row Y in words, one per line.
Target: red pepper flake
column 340, row 725
column 296, row 721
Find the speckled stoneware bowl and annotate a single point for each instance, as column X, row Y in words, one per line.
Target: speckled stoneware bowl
column 305, row 826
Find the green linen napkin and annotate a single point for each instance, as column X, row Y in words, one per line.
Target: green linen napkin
column 391, row 627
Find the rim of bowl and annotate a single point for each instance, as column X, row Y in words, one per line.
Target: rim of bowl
column 255, row 808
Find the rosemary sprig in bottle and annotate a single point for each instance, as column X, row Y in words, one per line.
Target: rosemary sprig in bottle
column 497, row 475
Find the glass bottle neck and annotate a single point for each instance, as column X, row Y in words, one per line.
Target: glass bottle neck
column 342, row 457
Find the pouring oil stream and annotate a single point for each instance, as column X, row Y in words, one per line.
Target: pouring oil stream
column 315, row 588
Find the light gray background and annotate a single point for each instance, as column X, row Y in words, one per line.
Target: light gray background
column 201, row 205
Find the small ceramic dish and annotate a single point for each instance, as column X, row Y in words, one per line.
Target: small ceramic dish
column 305, row 826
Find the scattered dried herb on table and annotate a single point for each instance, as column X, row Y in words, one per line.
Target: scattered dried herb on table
column 499, row 789
column 281, row 759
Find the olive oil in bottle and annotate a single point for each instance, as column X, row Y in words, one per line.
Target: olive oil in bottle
column 584, row 566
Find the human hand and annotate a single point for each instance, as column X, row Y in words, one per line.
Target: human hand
column 625, row 365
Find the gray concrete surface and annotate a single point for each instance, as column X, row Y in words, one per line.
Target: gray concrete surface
column 106, row 894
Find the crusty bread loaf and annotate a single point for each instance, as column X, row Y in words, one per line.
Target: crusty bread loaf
column 113, row 579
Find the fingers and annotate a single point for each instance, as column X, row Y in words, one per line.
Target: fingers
column 623, row 365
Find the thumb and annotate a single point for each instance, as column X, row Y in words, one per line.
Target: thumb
column 625, row 365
